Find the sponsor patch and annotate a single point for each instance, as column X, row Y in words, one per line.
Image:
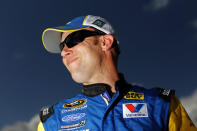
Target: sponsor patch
column 75, row 103
column 73, row 126
column 45, row 113
column 74, row 109
column 99, row 23
column 134, row 95
column 133, row 110
column 166, row 94
column 73, row 117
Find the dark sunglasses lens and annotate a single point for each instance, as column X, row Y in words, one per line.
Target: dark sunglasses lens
column 61, row 46
column 74, row 39
column 77, row 37
column 72, row 43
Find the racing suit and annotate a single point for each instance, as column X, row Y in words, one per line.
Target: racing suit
column 131, row 108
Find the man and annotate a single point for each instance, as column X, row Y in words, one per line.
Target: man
column 90, row 49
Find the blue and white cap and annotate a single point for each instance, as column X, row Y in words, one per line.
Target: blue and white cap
column 51, row 37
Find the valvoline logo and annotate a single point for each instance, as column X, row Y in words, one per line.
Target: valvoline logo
column 133, row 110
column 73, row 117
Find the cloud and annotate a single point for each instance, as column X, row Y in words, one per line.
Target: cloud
column 23, row 126
column 157, row 5
column 189, row 103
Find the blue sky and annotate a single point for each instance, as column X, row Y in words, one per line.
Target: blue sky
column 158, row 40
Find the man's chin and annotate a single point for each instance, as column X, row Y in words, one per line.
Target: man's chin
column 79, row 78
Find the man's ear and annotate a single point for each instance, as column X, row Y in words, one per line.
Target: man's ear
column 107, row 42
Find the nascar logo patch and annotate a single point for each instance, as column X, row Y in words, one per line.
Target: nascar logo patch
column 133, row 110
column 75, row 103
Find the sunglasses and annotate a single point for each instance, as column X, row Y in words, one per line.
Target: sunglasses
column 77, row 37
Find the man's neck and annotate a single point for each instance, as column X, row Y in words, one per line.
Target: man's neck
column 105, row 73
column 108, row 76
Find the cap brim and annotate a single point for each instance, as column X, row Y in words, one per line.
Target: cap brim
column 51, row 37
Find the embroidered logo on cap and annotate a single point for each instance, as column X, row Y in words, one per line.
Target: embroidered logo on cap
column 133, row 110
column 99, row 23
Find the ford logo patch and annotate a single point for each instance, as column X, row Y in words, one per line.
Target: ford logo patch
column 73, row 117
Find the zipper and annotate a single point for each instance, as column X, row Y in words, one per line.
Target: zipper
column 106, row 97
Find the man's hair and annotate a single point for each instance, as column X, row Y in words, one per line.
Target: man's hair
column 115, row 44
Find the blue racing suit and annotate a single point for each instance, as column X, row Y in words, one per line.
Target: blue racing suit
column 131, row 108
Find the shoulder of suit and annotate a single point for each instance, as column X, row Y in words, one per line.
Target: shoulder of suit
column 40, row 127
column 47, row 111
column 165, row 94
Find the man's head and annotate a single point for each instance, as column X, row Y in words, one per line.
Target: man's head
column 85, row 50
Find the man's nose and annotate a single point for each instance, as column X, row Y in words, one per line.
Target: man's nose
column 66, row 51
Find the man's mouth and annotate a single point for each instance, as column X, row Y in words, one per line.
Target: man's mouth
column 71, row 60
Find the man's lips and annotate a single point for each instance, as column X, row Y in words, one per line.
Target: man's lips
column 71, row 60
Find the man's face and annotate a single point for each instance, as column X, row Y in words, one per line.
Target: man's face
column 83, row 60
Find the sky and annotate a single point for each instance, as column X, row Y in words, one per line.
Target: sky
column 158, row 41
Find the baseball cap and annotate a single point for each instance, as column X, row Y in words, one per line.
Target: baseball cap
column 51, row 37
